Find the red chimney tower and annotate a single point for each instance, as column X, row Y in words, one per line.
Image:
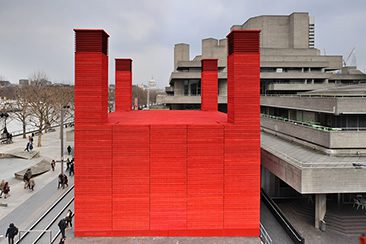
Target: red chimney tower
column 209, row 85
column 123, row 93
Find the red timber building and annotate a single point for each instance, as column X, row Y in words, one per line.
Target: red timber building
column 166, row 173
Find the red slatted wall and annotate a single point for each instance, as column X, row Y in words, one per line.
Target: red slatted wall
column 168, row 177
column 209, row 85
column 123, row 92
column 93, row 148
column 176, row 179
column 205, row 177
column 131, row 177
column 242, row 139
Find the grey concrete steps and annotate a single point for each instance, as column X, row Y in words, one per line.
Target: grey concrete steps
column 306, row 210
column 348, row 225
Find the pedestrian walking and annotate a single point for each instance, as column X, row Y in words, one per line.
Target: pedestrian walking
column 60, row 181
column 31, row 184
column 71, row 170
column 67, row 164
column 53, row 164
column 69, row 149
column 27, row 147
column 62, row 225
column 6, row 190
column 65, row 181
column 68, row 218
column 11, row 232
column 2, row 184
column 30, row 146
column 26, row 178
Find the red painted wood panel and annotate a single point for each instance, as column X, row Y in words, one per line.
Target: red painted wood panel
column 157, row 173
column 209, row 85
column 123, row 85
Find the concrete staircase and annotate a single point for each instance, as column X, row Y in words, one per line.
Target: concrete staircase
column 347, row 224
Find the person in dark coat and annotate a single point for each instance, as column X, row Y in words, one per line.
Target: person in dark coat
column 71, row 170
column 60, row 181
column 68, row 164
column 69, row 150
column 6, row 189
column 68, row 218
column 65, row 181
column 62, row 225
column 53, row 164
column 11, row 232
column 27, row 147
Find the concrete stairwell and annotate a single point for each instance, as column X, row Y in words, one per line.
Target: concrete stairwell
column 347, row 224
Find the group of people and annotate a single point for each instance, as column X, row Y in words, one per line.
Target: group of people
column 70, row 166
column 62, row 181
column 28, row 181
column 29, row 146
column 65, row 222
column 4, row 189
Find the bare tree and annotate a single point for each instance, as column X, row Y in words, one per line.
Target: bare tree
column 42, row 99
column 20, row 108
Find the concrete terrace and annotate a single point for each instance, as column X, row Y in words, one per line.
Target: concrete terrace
column 309, row 171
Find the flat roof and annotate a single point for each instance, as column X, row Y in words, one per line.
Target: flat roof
column 302, row 156
column 341, row 90
column 168, row 117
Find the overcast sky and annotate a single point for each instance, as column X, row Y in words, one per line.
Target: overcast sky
column 38, row 35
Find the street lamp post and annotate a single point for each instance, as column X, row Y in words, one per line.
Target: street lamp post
column 62, row 137
column 150, row 84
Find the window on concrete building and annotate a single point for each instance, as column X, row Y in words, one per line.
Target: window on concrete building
column 186, row 88
column 192, row 88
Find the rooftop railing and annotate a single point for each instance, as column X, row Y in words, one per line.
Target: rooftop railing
column 313, row 125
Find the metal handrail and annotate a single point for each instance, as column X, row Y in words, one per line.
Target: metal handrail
column 59, row 232
column 314, row 125
column 43, row 231
column 277, row 213
column 45, row 214
column 53, row 221
column 265, row 237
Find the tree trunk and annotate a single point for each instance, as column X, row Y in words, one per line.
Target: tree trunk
column 40, row 133
column 24, row 126
column 39, row 138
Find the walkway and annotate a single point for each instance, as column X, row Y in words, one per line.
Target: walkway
column 273, row 227
column 24, row 206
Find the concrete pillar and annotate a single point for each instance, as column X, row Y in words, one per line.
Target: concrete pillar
column 181, row 53
column 269, row 182
column 320, row 208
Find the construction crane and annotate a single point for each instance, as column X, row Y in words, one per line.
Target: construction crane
column 348, row 57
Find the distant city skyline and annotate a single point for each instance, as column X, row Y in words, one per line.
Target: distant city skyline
column 38, row 35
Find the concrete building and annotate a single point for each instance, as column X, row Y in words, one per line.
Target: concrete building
column 289, row 62
column 23, row 82
column 313, row 113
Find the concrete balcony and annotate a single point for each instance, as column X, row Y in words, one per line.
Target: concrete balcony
column 169, row 89
column 294, row 75
column 332, row 105
column 336, row 139
column 163, row 99
column 296, row 87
